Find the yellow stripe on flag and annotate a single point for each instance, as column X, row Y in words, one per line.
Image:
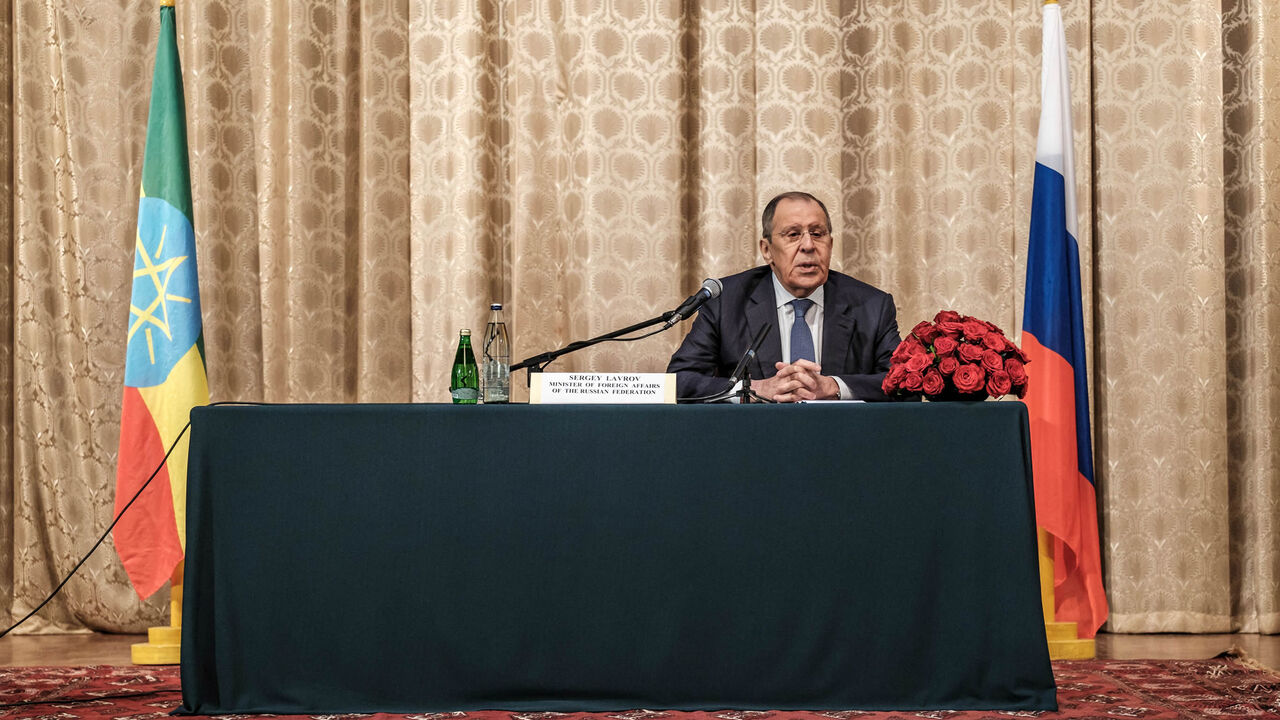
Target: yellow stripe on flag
column 170, row 404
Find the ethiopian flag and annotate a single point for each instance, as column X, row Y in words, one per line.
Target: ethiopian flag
column 164, row 373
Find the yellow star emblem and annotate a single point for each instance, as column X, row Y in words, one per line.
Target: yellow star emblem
column 156, row 313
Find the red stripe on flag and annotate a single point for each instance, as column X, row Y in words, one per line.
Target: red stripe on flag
column 147, row 535
column 1078, row 595
column 1051, row 403
column 1066, row 502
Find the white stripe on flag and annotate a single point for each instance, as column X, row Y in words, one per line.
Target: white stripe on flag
column 1054, row 143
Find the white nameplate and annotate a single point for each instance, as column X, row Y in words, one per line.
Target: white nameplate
column 602, row 388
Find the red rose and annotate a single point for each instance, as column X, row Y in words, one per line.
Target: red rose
column 969, row 378
column 1017, row 351
column 887, row 386
column 912, row 382
column 991, row 361
column 895, row 375
column 918, row 362
column 952, row 329
column 994, row 341
column 1022, row 391
column 970, row 353
column 948, row 365
column 944, row 345
column 933, row 383
column 974, row 328
column 950, row 316
column 998, row 383
column 906, row 349
column 1017, row 371
column 924, row 331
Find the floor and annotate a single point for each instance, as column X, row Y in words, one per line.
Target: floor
column 1263, row 649
column 99, row 649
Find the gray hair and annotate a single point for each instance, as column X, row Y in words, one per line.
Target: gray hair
column 766, row 219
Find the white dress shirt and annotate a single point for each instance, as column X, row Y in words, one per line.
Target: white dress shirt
column 786, row 318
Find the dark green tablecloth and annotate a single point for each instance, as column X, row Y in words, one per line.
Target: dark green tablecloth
column 406, row 558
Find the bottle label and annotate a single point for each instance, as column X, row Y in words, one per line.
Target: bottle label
column 464, row 393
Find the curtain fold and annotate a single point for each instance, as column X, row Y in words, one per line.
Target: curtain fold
column 74, row 200
column 369, row 176
column 1251, row 157
column 6, row 317
column 1161, row 277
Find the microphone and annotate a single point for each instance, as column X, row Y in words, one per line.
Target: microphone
column 741, row 370
column 711, row 288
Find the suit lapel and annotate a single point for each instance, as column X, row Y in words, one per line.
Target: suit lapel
column 762, row 309
column 837, row 329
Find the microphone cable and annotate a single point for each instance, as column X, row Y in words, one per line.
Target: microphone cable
column 120, row 514
column 726, row 394
column 579, row 345
column 639, row 337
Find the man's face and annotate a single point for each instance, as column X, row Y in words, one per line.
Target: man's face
column 801, row 263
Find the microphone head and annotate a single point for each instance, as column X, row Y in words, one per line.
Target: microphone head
column 713, row 287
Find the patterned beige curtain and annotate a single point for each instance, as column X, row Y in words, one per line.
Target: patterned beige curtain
column 7, row 555
column 369, row 176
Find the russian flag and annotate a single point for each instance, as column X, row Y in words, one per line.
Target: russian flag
column 1053, row 337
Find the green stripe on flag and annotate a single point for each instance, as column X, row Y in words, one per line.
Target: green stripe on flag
column 166, row 171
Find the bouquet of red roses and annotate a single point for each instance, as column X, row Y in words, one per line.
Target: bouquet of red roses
column 956, row 357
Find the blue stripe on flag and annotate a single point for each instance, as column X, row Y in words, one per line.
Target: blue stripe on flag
column 164, row 313
column 1053, row 307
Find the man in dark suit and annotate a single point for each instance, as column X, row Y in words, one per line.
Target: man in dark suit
column 839, row 350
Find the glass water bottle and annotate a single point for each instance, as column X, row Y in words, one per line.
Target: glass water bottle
column 464, row 382
column 495, row 359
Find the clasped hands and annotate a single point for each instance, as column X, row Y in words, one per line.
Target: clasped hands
column 801, row 380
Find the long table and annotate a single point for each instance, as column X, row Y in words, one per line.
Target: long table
column 412, row 558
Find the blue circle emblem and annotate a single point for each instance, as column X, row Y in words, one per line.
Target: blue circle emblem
column 164, row 314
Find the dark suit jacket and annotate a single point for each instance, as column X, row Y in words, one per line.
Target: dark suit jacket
column 859, row 333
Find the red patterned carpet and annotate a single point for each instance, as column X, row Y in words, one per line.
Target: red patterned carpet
column 1105, row 689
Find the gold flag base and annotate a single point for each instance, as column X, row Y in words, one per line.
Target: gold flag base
column 164, row 643
column 1064, row 639
column 1066, row 644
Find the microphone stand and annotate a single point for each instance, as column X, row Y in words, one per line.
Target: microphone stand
column 745, row 394
column 538, row 362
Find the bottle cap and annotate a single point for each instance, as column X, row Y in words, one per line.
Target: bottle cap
column 495, row 306
column 465, row 331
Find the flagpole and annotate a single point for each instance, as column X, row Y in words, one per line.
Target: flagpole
column 164, row 642
column 165, row 372
column 1060, row 463
column 1064, row 638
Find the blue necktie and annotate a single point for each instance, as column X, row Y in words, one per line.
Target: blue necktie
column 801, row 335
